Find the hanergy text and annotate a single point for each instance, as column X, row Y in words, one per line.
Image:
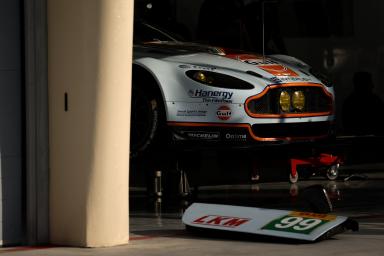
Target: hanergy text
column 210, row 94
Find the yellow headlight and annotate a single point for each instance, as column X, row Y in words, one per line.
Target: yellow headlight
column 285, row 101
column 200, row 76
column 298, row 100
column 203, row 77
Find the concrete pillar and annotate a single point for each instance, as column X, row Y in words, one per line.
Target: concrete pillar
column 89, row 76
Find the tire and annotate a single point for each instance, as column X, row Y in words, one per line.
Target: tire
column 332, row 172
column 293, row 179
column 147, row 117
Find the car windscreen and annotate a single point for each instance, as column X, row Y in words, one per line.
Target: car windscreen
column 144, row 32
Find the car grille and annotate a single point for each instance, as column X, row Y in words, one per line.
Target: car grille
column 292, row 130
column 316, row 101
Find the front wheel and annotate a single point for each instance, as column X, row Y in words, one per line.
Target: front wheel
column 146, row 117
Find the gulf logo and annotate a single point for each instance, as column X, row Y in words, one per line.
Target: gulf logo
column 224, row 113
column 278, row 70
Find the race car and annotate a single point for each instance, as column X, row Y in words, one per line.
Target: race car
column 190, row 93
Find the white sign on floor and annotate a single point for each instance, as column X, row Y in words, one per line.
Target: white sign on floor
column 279, row 223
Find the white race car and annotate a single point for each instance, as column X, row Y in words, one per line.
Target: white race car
column 210, row 95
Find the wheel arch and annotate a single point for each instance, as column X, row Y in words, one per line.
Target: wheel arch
column 143, row 74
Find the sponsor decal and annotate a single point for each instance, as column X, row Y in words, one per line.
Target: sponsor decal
column 224, row 113
column 251, row 59
column 223, row 221
column 259, row 61
column 290, row 79
column 204, row 67
column 209, row 68
column 321, row 216
column 298, row 222
column 276, row 80
column 202, row 135
column 295, row 79
column 278, row 70
column 211, row 96
column 191, row 112
column 184, row 66
column 265, row 64
column 230, row 136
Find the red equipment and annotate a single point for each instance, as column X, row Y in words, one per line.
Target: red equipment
column 329, row 161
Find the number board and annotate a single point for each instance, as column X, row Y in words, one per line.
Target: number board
column 299, row 222
column 269, row 222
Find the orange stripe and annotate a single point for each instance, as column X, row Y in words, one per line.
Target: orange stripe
column 288, row 115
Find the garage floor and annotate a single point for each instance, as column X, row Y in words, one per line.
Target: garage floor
column 156, row 227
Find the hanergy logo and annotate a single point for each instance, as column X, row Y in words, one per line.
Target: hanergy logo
column 224, row 113
column 223, row 221
column 210, row 94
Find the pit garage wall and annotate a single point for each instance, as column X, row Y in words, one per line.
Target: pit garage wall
column 89, row 84
column 11, row 133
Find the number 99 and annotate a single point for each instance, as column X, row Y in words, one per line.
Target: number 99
column 298, row 223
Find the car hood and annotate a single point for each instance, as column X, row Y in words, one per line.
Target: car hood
column 273, row 68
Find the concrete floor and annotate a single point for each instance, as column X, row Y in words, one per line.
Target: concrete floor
column 156, row 227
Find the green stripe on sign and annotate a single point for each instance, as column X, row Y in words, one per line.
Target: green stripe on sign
column 295, row 224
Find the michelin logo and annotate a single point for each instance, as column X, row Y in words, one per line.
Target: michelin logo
column 203, row 135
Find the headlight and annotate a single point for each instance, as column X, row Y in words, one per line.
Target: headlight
column 298, row 100
column 219, row 80
column 285, row 101
column 203, row 78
